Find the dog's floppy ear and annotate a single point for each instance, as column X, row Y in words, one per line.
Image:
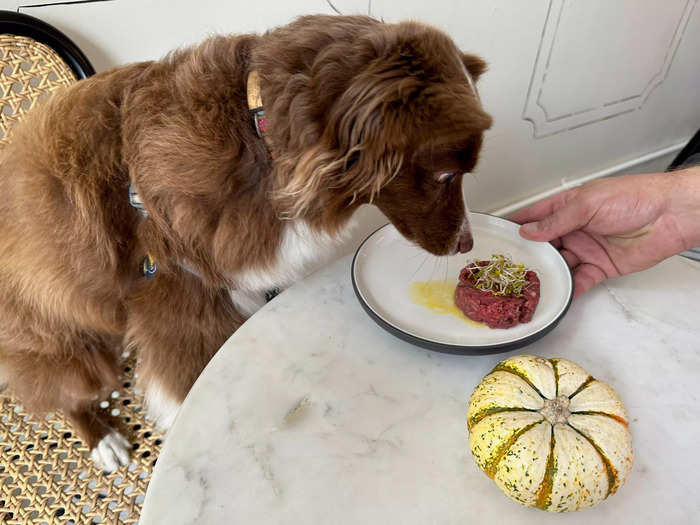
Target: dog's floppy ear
column 475, row 65
column 351, row 156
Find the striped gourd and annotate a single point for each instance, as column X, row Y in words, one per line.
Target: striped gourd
column 550, row 435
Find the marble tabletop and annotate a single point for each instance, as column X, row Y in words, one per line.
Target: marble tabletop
column 312, row 414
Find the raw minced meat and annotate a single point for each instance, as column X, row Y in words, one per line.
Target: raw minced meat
column 497, row 311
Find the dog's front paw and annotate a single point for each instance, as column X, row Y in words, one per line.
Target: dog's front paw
column 111, row 452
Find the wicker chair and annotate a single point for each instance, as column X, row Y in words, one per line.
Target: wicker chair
column 46, row 476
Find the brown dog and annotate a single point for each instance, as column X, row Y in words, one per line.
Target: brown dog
column 357, row 111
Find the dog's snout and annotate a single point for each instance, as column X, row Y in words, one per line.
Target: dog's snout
column 466, row 242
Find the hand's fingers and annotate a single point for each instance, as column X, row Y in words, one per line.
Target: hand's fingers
column 573, row 215
column 586, row 276
column 570, row 257
column 557, row 243
column 541, row 209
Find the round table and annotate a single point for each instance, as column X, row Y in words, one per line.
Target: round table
column 311, row 413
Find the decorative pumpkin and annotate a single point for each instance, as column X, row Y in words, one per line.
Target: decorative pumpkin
column 549, row 434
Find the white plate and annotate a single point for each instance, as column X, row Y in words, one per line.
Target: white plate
column 386, row 264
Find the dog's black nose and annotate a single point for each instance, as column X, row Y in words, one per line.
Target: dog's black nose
column 466, row 243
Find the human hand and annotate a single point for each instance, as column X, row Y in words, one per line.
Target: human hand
column 616, row 226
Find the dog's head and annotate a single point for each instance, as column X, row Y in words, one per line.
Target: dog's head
column 398, row 123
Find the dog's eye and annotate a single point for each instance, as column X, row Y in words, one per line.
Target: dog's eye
column 446, row 177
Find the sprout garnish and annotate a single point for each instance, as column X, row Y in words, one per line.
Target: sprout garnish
column 500, row 276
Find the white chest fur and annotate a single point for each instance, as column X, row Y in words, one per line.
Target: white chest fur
column 301, row 250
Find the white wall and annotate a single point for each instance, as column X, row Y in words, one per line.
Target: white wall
column 577, row 88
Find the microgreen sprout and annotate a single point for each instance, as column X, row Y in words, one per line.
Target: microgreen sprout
column 500, row 276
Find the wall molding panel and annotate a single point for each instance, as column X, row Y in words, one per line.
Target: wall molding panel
column 573, row 82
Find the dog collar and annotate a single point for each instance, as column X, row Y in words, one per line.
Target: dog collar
column 255, row 104
column 148, row 264
column 255, row 107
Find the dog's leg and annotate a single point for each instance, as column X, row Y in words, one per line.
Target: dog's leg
column 3, row 376
column 177, row 324
column 108, row 448
column 72, row 372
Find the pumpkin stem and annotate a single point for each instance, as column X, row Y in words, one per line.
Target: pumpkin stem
column 556, row 410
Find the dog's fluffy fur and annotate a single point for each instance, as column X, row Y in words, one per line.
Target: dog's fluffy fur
column 359, row 111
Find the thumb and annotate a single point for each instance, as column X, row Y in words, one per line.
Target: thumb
column 572, row 216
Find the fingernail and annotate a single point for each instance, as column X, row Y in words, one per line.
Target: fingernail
column 530, row 227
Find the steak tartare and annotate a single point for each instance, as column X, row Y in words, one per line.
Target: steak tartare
column 498, row 308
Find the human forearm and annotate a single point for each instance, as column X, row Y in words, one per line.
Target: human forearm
column 683, row 204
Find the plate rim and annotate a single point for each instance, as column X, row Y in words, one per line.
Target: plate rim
column 450, row 348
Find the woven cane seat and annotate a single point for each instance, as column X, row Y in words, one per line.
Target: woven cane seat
column 31, row 71
column 46, row 475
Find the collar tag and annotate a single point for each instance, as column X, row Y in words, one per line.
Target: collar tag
column 149, row 267
column 255, row 104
